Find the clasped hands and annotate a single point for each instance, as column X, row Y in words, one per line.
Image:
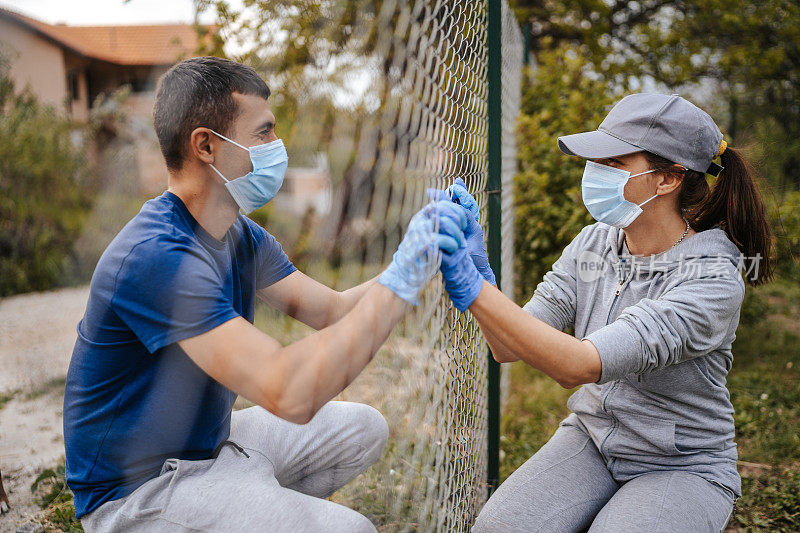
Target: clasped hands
column 446, row 235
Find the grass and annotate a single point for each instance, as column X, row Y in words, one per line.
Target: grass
column 53, row 495
column 771, row 500
column 55, row 385
column 765, row 391
column 6, row 397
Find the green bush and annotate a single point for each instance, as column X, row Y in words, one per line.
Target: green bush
column 45, row 190
column 559, row 99
column 784, row 216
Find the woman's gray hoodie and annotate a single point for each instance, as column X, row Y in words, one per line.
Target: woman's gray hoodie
column 663, row 326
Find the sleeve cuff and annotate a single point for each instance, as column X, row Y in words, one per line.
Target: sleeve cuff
column 275, row 277
column 620, row 349
column 538, row 308
column 156, row 343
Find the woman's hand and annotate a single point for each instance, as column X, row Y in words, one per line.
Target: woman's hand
column 476, row 248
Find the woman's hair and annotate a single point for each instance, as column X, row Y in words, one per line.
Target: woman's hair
column 733, row 203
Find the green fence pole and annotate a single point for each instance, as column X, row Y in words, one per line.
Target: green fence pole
column 526, row 44
column 494, row 187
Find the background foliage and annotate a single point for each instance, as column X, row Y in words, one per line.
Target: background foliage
column 45, row 190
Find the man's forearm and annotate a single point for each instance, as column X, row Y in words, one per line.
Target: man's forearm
column 315, row 369
column 349, row 298
column 568, row 360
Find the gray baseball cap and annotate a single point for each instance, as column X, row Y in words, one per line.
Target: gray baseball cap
column 666, row 125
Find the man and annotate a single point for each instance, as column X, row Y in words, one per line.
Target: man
column 167, row 341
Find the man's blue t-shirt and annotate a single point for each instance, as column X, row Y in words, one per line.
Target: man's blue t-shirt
column 133, row 397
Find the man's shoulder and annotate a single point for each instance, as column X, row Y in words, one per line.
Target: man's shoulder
column 252, row 228
column 255, row 232
column 151, row 236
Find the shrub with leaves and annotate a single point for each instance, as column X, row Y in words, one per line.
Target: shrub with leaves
column 45, row 190
column 560, row 99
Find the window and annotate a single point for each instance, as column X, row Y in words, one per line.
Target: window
column 72, row 85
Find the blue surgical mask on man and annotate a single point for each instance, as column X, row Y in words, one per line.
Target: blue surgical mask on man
column 260, row 185
column 603, row 190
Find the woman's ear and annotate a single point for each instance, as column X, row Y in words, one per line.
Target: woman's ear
column 201, row 145
column 670, row 180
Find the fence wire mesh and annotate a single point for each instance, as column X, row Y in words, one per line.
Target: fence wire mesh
column 512, row 53
column 420, row 120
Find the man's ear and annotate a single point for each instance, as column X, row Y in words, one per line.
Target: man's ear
column 201, row 144
column 669, row 181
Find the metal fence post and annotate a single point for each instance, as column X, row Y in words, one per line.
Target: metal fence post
column 494, row 188
column 526, row 44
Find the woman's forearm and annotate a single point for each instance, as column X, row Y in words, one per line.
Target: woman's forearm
column 570, row 361
column 500, row 351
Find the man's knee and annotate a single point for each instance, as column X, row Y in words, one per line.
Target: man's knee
column 373, row 432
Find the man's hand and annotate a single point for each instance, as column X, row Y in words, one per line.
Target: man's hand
column 436, row 227
column 476, row 247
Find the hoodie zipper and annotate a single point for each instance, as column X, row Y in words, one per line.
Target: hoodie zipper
column 614, row 303
column 617, row 291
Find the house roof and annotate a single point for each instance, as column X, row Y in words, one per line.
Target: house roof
column 124, row 45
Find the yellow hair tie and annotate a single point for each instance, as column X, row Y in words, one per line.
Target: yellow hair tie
column 722, row 146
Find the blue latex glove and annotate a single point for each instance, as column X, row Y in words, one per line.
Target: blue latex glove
column 462, row 281
column 436, row 228
column 459, row 194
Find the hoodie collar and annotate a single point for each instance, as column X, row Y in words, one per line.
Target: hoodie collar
column 712, row 243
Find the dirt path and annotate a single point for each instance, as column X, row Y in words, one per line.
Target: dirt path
column 37, row 333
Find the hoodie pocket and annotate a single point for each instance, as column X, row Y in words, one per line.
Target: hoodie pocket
column 642, row 435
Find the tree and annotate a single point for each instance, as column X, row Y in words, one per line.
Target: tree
column 741, row 62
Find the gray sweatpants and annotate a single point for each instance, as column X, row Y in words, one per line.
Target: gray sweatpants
column 566, row 486
column 279, row 487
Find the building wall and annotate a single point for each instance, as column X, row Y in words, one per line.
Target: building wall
column 138, row 107
column 35, row 62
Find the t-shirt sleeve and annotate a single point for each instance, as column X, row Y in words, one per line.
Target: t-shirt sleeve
column 167, row 291
column 555, row 299
column 690, row 320
column 272, row 263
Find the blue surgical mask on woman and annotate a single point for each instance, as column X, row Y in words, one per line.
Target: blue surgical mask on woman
column 603, row 189
column 259, row 186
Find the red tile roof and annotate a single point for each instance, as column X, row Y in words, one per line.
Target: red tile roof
column 124, row 45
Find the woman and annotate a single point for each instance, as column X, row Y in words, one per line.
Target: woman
column 653, row 292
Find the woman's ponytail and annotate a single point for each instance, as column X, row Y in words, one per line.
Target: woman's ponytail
column 735, row 204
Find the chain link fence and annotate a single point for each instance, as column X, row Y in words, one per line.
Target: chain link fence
column 430, row 381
